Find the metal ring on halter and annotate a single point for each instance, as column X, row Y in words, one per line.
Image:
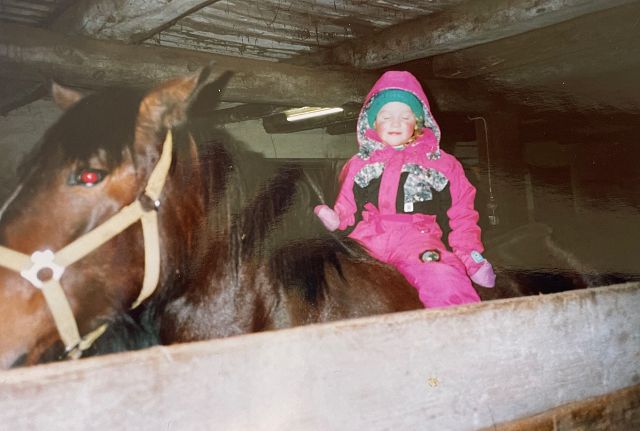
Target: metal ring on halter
column 148, row 203
column 42, row 260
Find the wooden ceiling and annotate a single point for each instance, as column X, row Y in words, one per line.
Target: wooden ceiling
column 473, row 55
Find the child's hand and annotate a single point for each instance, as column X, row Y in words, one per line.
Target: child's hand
column 478, row 268
column 329, row 217
column 485, row 276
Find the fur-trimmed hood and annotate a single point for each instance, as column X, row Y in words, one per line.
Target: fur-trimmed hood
column 368, row 139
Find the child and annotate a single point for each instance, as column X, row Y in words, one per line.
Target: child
column 392, row 188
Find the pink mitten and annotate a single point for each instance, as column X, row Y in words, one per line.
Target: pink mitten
column 485, row 276
column 328, row 217
column 478, row 268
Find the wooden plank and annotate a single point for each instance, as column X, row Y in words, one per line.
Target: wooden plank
column 584, row 36
column 90, row 63
column 617, row 411
column 124, row 20
column 472, row 23
column 462, row 368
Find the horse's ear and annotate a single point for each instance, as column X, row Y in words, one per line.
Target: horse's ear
column 65, row 97
column 209, row 95
column 165, row 106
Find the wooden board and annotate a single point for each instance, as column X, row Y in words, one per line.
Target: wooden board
column 464, row 368
column 617, row 411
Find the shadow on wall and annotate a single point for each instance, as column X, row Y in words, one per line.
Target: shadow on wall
column 20, row 130
column 583, row 217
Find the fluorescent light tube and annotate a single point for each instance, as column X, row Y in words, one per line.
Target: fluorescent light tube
column 310, row 112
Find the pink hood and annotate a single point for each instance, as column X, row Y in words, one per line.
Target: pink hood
column 368, row 139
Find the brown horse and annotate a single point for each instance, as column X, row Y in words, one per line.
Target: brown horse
column 230, row 260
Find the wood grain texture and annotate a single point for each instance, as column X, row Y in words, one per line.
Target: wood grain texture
column 617, row 411
column 91, row 63
column 588, row 36
column 472, row 23
column 83, row 62
column 452, row 369
column 124, row 20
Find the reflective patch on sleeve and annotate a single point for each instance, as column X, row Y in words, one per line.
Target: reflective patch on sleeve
column 476, row 256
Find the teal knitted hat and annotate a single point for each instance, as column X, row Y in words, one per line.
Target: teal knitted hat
column 394, row 95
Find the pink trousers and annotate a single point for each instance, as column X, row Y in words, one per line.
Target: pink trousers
column 400, row 240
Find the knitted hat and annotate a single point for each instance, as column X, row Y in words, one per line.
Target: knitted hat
column 395, row 95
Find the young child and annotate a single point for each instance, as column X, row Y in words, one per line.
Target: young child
column 391, row 191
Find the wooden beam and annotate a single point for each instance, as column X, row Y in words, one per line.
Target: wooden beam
column 124, row 20
column 589, row 64
column 465, row 367
column 602, row 80
column 585, row 37
column 90, row 63
column 471, row 23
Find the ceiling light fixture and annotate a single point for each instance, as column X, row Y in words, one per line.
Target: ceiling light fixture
column 310, row 112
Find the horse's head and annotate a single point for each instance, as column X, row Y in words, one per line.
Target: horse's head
column 95, row 164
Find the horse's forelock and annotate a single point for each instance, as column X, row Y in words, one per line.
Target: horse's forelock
column 101, row 124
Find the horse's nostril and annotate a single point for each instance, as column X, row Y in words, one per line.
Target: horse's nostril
column 45, row 274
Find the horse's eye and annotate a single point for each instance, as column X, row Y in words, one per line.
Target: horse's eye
column 87, row 177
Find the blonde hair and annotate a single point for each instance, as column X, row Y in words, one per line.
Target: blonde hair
column 417, row 132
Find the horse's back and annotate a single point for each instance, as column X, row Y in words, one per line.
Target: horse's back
column 333, row 278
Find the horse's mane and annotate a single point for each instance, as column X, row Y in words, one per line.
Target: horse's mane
column 266, row 207
column 246, row 195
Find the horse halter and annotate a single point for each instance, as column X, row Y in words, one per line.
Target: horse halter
column 144, row 209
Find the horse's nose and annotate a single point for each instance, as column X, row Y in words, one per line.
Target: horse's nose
column 23, row 313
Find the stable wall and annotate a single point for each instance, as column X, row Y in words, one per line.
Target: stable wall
column 22, row 128
column 594, row 212
column 587, row 191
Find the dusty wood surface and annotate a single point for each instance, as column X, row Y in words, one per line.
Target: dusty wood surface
column 88, row 62
column 584, row 62
column 289, row 30
column 464, row 368
column 617, row 411
column 469, row 24
column 84, row 62
column 582, row 36
column 123, row 19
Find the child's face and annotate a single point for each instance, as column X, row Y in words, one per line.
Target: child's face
column 395, row 124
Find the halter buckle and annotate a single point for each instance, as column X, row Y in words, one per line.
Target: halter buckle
column 42, row 260
column 148, row 203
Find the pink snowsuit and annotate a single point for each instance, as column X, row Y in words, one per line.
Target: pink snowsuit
column 399, row 238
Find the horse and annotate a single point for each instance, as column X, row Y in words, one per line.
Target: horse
column 134, row 223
